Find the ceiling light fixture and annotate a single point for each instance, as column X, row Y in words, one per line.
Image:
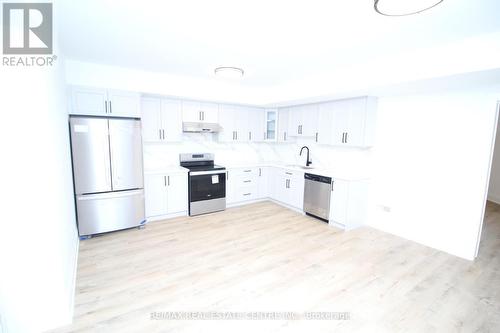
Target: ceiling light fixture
column 404, row 7
column 229, row 72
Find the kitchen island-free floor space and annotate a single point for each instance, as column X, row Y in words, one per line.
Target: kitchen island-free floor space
column 266, row 258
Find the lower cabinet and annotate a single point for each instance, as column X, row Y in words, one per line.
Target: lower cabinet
column 287, row 187
column 166, row 194
column 348, row 203
column 246, row 184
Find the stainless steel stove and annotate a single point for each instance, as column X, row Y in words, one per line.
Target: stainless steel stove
column 207, row 183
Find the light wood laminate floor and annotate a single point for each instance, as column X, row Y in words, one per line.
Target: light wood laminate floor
column 263, row 257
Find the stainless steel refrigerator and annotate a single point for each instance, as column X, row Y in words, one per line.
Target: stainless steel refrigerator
column 107, row 171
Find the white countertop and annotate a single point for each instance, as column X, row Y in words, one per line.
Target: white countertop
column 336, row 174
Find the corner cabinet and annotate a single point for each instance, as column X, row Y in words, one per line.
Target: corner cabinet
column 165, row 194
column 161, row 119
column 104, row 102
column 241, row 124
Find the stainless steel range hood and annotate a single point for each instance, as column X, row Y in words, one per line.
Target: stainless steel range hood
column 193, row 127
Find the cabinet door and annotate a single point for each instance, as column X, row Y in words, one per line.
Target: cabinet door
column 309, row 123
column 341, row 111
column 263, row 182
column 256, row 123
column 242, row 126
column 355, row 129
column 210, row 112
column 191, row 111
column 151, row 119
column 295, row 120
column 339, row 201
column 271, row 125
column 227, row 120
column 155, row 191
column 283, row 123
column 171, row 120
column 296, row 192
column 177, row 193
column 89, row 101
column 124, row 104
column 325, row 124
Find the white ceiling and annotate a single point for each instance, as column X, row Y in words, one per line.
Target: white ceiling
column 276, row 42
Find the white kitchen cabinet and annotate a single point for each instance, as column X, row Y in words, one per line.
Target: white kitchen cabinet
column 271, row 125
column 161, row 120
column 228, row 122
column 325, row 124
column 246, row 184
column 204, row 112
column 103, row 102
column 348, row 203
column 354, row 122
column 288, row 187
column 255, row 120
column 303, row 120
column 165, row 194
column 283, row 124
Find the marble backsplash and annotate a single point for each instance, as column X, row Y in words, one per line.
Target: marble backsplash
column 161, row 155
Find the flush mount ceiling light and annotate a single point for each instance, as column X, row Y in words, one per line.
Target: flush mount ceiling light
column 229, row 72
column 404, row 7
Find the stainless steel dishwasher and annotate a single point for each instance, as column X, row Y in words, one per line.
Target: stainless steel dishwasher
column 317, row 192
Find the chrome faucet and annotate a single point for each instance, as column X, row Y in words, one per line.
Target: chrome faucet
column 308, row 162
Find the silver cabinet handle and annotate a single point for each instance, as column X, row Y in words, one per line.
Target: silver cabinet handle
column 247, row 193
column 260, row 172
column 110, row 109
column 163, row 131
column 343, row 135
column 199, row 115
column 289, row 173
column 165, row 180
column 332, row 185
column 284, row 135
column 106, row 106
column 346, row 133
column 168, row 180
column 316, row 136
column 250, row 136
column 247, row 181
column 159, row 132
column 247, row 170
column 227, row 175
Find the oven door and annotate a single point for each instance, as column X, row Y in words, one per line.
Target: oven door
column 207, row 185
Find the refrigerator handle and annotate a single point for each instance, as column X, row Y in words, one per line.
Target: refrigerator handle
column 109, row 195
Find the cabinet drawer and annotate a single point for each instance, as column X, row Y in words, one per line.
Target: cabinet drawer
column 244, row 172
column 247, row 193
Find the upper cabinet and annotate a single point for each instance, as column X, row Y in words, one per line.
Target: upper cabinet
column 283, row 122
column 104, row 102
column 271, row 125
column 303, row 120
column 161, row 119
column 196, row 112
column 241, row 124
column 349, row 122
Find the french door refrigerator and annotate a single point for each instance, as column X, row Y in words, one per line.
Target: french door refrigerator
column 107, row 173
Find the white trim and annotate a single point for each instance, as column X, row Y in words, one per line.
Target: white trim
column 494, row 198
column 492, row 149
column 243, row 203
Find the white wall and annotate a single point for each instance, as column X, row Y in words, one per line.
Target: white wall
column 431, row 168
column 494, row 188
column 38, row 237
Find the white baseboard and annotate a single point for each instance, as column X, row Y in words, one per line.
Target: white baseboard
column 494, row 198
